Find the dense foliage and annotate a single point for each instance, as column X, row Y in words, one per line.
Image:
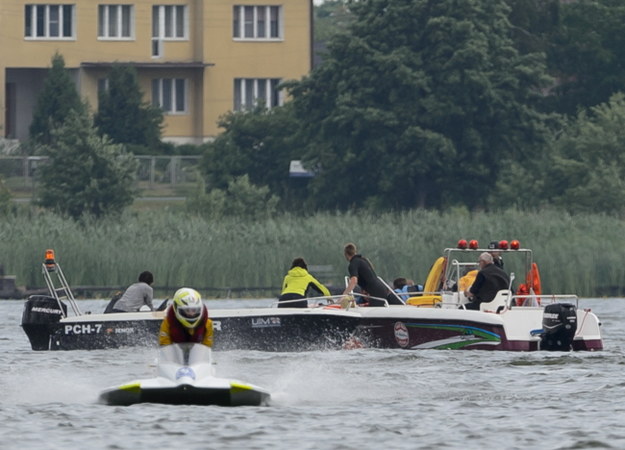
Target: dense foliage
column 577, row 254
column 85, row 173
column 435, row 104
column 240, row 199
column 587, row 173
column 259, row 144
column 431, row 93
column 480, row 104
column 55, row 102
column 586, row 52
column 331, row 17
column 124, row 117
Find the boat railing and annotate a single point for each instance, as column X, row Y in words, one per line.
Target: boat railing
column 50, row 267
column 333, row 301
column 540, row 300
column 456, row 299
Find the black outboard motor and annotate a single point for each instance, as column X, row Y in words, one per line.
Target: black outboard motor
column 39, row 311
column 559, row 327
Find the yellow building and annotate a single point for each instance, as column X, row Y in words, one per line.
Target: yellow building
column 196, row 59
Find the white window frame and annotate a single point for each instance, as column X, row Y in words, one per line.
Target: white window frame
column 174, row 12
column 259, row 32
column 159, row 101
column 159, row 26
column 104, row 22
column 243, row 85
column 31, row 14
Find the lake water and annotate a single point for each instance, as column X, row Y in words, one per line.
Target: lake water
column 353, row 399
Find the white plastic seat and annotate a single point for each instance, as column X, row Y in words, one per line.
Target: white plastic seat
column 501, row 299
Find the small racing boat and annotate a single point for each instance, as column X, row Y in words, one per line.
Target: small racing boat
column 186, row 377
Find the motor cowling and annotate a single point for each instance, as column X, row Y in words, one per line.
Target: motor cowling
column 42, row 309
column 39, row 311
column 559, row 327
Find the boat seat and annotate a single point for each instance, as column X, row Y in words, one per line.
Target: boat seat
column 500, row 300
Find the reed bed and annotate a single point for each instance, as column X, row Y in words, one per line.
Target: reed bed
column 580, row 254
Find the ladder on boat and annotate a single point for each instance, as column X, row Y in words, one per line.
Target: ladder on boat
column 51, row 267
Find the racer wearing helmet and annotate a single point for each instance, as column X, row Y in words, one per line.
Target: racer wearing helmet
column 186, row 320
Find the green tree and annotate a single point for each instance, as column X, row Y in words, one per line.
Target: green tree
column 533, row 23
column 124, row 117
column 86, row 174
column 259, row 144
column 587, row 53
column 331, row 17
column 57, row 98
column 240, row 199
column 419, row 104
column 586, row 172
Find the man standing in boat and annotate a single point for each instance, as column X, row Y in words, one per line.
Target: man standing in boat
column 361, row 273
column 489, row 280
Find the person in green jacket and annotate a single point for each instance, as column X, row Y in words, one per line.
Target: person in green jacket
column 296, row 284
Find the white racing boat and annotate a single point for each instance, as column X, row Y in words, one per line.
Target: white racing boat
column 186, row 377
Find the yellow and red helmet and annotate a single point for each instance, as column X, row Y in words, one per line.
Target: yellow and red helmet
column 188, row 307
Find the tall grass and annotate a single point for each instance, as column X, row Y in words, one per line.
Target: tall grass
column 581, row 254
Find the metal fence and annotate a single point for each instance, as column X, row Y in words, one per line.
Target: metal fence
column 173, row 174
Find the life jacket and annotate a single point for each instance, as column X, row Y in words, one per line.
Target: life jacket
column 531, row 286
column 180, row 333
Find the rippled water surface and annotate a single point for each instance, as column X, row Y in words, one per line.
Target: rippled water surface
column 325, row 400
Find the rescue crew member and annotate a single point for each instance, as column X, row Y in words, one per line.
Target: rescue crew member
column 361, row 273
column 137, row 295
column 186, row 320
column 296, row 284
column 497, row 258
column 489, row 280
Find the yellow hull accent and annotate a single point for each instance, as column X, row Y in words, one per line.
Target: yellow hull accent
column 236, row 387
column 132, row 387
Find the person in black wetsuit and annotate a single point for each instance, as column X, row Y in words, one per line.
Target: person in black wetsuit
column 361, row 273
column 489, row 280
column 497, row 259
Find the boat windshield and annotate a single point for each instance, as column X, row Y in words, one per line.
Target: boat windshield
column 461, row 261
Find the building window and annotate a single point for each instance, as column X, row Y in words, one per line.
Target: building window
column 170, row 94
column 169, row 22
column 257, row 22
column 115, row 21
column 249, row 92
column 49, row 21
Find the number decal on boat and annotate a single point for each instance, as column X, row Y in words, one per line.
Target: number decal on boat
column 84, row 328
